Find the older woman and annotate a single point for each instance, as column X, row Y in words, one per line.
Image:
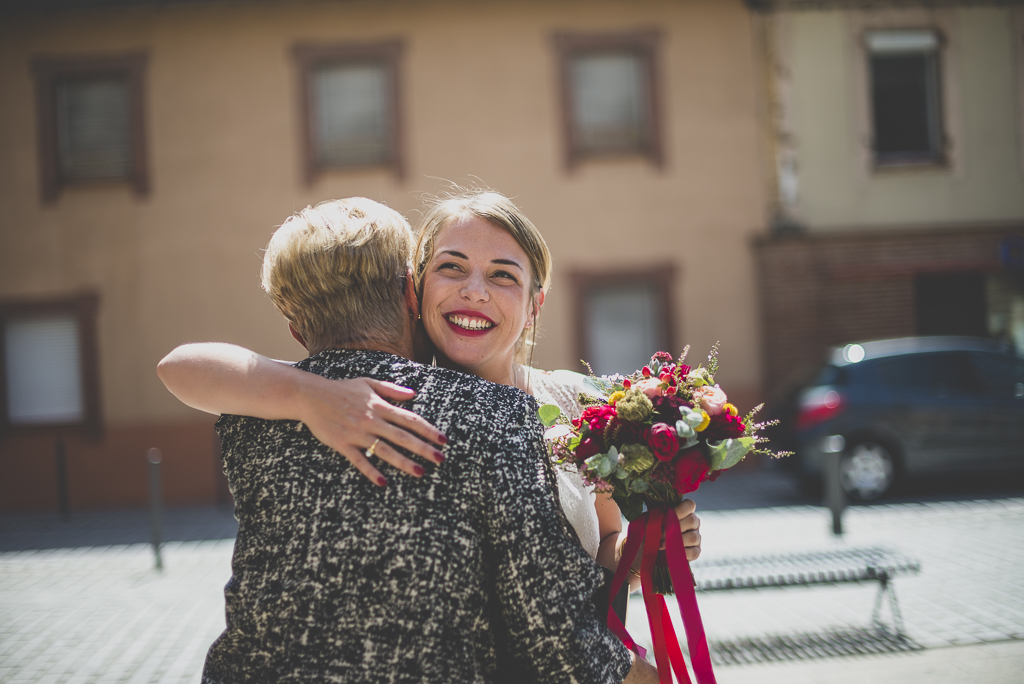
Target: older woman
column 481, row 270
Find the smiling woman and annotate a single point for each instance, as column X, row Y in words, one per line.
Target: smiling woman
column 481, row 292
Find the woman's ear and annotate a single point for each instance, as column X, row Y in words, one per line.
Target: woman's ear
column 297, row 336
column 538, row 301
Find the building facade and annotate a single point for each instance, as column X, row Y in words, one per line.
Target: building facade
column 897, row 131
column 148, row 150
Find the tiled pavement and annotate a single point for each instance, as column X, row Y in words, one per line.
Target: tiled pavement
column 970, row 588
column 103, row 614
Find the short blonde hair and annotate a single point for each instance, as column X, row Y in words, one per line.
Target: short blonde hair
column 337, row 272
column 500, row 212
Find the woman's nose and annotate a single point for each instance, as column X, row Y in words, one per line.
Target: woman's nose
column 475, row 288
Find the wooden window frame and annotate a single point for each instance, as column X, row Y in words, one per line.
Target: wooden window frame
column 941, row 157
column 311, row 56
column 84, row 308
column 641, row 43
column 660, row 277
column 47, row 71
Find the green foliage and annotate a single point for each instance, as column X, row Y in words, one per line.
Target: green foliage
column 729, row 452
column 637, row 458
column 713, row 360
column 634, row 407
column 548, row 414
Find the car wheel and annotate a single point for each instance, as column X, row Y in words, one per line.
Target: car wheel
column 867, row 471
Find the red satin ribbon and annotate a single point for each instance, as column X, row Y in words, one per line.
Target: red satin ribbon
column 667, row 653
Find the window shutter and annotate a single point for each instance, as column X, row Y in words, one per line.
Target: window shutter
column 352, row 112
column 609, row 92
column 44, row 372
column 93, row 134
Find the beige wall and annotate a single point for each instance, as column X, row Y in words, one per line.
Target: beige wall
column 824, row 91
column 479, row 84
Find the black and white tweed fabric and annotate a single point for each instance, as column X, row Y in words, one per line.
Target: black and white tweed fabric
column 467, row 574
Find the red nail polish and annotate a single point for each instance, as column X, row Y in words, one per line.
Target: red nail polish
column 439, row 456
column 381, row 482
column 418, row 470
column 442, row 439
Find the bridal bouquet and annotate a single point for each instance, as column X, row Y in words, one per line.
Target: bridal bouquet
column 648, row 439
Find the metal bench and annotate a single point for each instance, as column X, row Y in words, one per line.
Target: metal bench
column 819, row 567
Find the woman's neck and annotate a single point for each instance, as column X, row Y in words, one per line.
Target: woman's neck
column 511, row 373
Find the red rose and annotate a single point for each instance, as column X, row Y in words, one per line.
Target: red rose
column 684, row 370
column 596, row 417
column 724, row 426
column 588, row 447
column 663, row 441
column 666, row 408
column 691, row 470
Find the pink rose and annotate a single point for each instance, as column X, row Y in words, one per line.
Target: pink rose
column 663, row 441
column 651, row 387
column 711, row 399
column 691, row 469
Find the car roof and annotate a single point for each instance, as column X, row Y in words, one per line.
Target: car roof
column 864, row 351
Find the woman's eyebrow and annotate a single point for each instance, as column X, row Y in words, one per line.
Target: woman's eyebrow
column 507, row 262
column 504, row 262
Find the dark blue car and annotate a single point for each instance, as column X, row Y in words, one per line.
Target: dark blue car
column 912, row 406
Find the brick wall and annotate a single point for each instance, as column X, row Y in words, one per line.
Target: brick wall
column 822, row 290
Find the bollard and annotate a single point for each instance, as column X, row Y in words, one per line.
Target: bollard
column 154, row 457
column 835, row 497
column 60, row 455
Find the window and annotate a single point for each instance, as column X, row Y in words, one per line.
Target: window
column 920, row 372
column 48, row 373
column 906, row 103
column 609, row 96
column 623, row 318
column 90, row 122
column 350, row 104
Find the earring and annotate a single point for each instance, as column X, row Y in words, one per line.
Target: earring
column 529, row 324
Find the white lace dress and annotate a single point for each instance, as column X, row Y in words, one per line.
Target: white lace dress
column 562, row 388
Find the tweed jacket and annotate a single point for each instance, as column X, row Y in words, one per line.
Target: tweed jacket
column 468, row 574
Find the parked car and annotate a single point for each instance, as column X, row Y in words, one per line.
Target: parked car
column 912, row 406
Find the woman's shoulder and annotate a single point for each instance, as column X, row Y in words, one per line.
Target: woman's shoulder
column 562, row 388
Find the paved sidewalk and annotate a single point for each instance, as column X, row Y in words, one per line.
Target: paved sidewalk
column 103, row 614
column 998, row 663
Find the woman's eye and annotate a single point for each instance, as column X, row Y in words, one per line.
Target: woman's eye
column 449, row 266
column 506, row 276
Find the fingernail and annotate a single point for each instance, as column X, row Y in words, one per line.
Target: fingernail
column 418, row 470
column 443, row 439
column 439, row 456
column 382, row 482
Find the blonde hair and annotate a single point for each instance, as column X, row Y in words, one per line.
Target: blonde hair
column 337, row 272
column 500, row 212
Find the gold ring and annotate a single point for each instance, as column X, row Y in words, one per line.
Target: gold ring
column 369, row 452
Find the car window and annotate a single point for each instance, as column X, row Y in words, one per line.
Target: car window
column 921, row 372
column 990, row 375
